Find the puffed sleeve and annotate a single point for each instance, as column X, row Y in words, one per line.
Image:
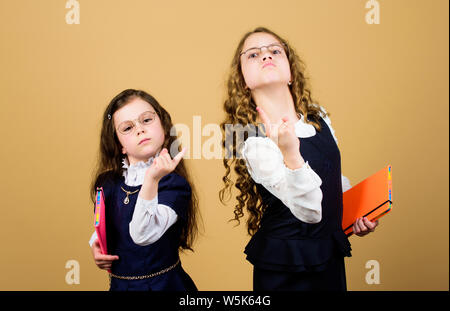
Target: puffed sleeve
column 298, row 189
column 152, row 218
column 150, row 221
column 93, row 238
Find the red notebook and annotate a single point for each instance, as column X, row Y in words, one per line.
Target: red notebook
column 100, row 220
column 371, row 198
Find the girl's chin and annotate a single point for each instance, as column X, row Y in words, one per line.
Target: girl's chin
column 141, row 158
column 270, row 83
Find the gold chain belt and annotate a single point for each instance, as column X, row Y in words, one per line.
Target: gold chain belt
column 141, row 277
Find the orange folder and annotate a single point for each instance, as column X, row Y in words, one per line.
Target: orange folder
column 100, row 220
column 371, row 198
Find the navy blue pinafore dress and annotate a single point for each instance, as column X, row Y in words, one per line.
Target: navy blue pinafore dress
column 135, row 260
column 291, row 255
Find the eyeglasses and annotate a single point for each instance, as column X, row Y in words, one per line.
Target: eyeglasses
column 127, row 127
column 274, row 49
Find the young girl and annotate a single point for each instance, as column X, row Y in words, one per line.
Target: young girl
column 290, row 181
column 151, row 205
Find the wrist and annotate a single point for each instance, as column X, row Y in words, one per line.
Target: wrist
column 294, row 161
column 149, row 188
column 151, row 178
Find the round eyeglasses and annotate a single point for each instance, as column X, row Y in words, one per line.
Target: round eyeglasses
column 145, row 118
column 274, row 49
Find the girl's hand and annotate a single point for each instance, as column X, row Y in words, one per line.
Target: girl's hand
column 363, row 226
column 101, row 260
column 163, row 165
column 283, row 134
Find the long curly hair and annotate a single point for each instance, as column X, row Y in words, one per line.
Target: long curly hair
column 241, row 109
column 109, row 163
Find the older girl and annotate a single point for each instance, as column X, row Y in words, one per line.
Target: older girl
column 290, row 181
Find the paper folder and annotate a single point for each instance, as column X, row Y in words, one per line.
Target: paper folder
column 100, row 220
column 371, row 198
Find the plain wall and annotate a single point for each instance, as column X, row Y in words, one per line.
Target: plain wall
column 385, row 85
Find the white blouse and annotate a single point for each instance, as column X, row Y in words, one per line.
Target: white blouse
column 150, row 219
column 298, row 189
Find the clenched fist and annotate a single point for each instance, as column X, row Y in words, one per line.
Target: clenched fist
column 282, row 133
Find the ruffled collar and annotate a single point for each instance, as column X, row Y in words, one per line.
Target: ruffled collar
column 303, row 129
column 134, row 173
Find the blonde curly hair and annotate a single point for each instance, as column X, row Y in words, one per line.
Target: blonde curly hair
column 241, row 109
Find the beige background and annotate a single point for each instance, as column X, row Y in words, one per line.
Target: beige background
column 385, row 85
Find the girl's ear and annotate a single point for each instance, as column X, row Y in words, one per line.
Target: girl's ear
column 124, row 151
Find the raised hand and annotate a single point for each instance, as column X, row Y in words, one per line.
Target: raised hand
column 282, row 133
column 164, row 164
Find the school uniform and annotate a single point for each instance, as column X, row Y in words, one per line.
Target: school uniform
column 145, row 235
column 300, row 244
